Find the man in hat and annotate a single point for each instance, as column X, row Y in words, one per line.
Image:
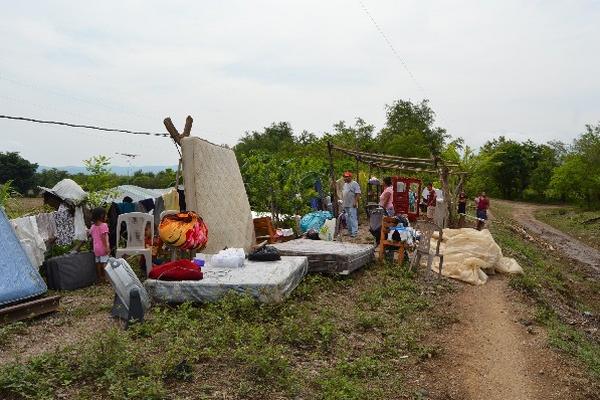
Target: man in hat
column 350, row 197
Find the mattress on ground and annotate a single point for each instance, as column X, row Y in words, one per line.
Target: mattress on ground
column 19, row 279
column 71, row 271
column 325, row 256
column 269, row 282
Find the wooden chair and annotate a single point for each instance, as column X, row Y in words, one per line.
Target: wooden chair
column 263, row 229
column 386, row 224
column 427, row 229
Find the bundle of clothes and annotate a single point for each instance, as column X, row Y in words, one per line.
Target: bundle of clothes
column 184, row 230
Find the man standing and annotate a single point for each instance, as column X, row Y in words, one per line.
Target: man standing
column 431, row 201
column 483, row 203
column 350, row 196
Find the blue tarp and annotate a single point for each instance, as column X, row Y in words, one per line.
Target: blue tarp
column 19, row 279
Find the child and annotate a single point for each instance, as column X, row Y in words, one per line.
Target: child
column 99, row 234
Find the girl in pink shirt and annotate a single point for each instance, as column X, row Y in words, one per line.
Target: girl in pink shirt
column 99, row 234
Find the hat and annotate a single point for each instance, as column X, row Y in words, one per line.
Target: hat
column 348, row 174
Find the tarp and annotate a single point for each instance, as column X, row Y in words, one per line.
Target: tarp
column 467, row 252
column 69, row 191
column 268, row 281
column 135, row 192
column 19, row 279
column 215, row 190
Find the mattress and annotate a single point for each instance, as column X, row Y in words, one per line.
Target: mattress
column 325, row 256
column 269, row 282
column 19, row 279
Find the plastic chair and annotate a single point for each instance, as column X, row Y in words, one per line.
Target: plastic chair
column 135, row 224
column 427, row 230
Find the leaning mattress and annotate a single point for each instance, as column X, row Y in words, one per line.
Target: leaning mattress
column 325, row 256
column 19, row 279
column 269, row 282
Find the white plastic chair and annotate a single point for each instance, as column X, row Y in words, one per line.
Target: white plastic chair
column 136, row 223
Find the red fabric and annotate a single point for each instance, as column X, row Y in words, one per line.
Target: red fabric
column 431, row 198
column 483, row 203
column 179, row 270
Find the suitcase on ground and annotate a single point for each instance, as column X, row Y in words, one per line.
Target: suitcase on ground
column 71, row 271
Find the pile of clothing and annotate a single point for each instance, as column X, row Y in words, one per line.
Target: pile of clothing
column 184, row 230
column 179, row 270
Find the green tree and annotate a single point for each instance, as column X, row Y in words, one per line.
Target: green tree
column 100, row 180
column 50, row 177
column 410, row 130
column 21, row 172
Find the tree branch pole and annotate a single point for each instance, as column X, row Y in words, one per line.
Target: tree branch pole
column 334, row 199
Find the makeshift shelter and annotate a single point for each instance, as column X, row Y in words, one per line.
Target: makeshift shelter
column 434, row 165
column 67, row 191
column 19, row 278
column 136, row 193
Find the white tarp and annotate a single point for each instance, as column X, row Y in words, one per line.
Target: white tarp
column 268, row 281
column 467, row 252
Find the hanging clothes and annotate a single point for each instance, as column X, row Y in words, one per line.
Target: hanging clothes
column 111, row 216
column 65, row 225
column 171, row 199
column 79, row 228
column 126, row 207
column 27, row 231
column 46, row 225
column 182, row 205
column 148, row 204
column 159, row 207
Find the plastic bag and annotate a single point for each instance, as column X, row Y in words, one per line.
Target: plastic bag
column 327, row 231
column 314, row 220
column 228, row 258
column 266, row 253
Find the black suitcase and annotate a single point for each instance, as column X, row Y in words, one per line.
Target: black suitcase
column 71, row 271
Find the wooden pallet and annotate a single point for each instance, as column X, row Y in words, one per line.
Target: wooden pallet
column 29, row 309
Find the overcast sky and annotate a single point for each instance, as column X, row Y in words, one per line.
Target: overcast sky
column 523, row 69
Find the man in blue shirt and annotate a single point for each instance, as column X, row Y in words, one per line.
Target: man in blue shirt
column 350, row 197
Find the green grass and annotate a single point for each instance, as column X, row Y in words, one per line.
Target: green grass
column 560, row 290
column 573, row 222
column 335, row 338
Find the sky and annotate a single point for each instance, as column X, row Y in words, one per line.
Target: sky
column 522, row 69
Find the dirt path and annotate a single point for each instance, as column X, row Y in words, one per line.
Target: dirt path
column 495, row 353
column 570, row 247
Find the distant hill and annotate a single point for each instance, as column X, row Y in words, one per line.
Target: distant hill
column 119, row 170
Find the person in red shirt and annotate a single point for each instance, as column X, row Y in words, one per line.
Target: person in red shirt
column 483, row 203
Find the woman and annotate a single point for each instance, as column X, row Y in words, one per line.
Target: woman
column 386, row 200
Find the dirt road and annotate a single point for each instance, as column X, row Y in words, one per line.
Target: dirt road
column 495, row 351
column 523, row 213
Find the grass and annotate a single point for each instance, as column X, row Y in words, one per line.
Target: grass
column 335, row 338
column 573, row 221
column 561, row 292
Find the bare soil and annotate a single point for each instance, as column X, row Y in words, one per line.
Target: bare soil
column 569, row 246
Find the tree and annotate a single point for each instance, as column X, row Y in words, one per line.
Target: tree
column 15, row 168
column 99, row 180
column 410, row 131
column 278, row 137
column 50, row 177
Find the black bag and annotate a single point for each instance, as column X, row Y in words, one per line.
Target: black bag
column 266, row 253
column 71, row 271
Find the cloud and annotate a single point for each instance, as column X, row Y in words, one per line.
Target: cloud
column 526, row 70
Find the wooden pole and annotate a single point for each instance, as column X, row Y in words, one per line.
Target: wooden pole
column 334, row 199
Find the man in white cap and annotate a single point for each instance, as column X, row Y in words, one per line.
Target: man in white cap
column 350, row 197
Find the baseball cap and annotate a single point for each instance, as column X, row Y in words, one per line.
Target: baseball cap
column 348, row 174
